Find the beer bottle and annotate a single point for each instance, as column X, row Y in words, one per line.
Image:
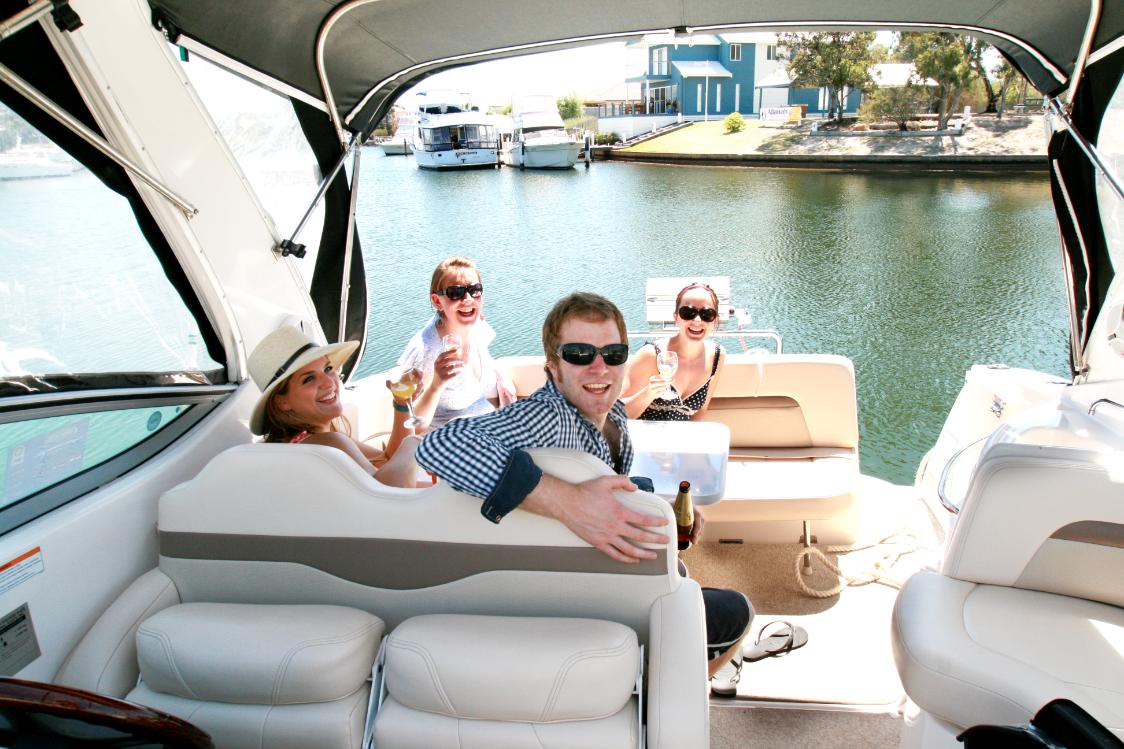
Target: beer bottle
column 684, row 515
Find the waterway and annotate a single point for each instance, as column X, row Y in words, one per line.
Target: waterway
column 915, row 278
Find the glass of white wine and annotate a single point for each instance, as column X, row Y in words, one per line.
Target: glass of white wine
column 667, row 362
column 403, row 388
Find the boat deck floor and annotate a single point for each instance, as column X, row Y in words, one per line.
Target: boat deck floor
column 844, row 679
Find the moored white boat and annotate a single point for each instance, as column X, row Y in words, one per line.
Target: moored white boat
column 29, row 162
column 539, row 139
column 451, row 135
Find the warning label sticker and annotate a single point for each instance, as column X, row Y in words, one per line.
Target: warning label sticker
column 22, row 568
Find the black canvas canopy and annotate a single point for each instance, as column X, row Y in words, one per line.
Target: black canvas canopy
column 378, row 47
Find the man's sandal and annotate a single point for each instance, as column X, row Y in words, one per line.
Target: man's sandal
column 784, row 640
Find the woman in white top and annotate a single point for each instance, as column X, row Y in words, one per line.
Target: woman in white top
column 459, row 374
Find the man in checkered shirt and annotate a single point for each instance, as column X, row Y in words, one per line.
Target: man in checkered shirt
column 486, row 456
column 585, row 341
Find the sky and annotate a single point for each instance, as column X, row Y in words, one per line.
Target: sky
column 592, row 72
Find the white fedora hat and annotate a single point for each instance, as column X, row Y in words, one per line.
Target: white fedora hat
column 280, row 354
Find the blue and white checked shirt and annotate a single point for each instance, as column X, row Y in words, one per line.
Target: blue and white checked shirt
column 485, row 455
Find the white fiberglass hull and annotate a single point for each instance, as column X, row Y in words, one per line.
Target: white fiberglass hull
column 463, row 158
column 397, row 147
column 560, row 155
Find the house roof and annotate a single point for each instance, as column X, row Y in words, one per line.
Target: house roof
column 749, row 37
column 701, row 69
column 896, row 75
column 691, row 40
column 778, row 78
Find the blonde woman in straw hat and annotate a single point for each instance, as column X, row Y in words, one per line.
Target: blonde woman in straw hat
column 300, row 402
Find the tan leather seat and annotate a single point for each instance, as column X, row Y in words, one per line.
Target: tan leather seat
column 794, row 440
column 461, row 681
column 1027, row 606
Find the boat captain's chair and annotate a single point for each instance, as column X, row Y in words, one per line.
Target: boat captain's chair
column 1028, row 605
column 281, row 567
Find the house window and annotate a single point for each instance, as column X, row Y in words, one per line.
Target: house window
column 735, row 53
column 737, row 97
column 698, row 97
column 770, row 53
column 717, row 97
column 659, row 61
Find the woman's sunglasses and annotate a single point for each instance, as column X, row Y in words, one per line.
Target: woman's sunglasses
column 456, row 293
column 706, row 314
column 581, row 354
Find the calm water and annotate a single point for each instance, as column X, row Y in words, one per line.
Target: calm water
column 914, row 278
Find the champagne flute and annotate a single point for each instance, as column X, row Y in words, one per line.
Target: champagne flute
column 667, row 362
column 451, row 342
column 403, row 388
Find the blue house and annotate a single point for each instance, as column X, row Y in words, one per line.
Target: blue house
column 707, row 75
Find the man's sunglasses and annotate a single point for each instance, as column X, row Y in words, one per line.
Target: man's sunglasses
column 456, row 293
column 581, row 354
column 706, row 314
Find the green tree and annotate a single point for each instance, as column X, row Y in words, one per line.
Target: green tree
column 835, row 60
column 898, row 104
column 973, row 52
column 1007, row 75
column 941, row 58
column 734, row 123
column 570, row 107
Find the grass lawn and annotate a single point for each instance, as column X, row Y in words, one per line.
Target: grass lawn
column 709, row 137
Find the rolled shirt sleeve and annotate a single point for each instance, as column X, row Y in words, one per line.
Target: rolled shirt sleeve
column 485, row 456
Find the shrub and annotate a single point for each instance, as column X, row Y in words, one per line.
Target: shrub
column 734, row 123
column 570, row 107
column 607, row 139
column 899, row 105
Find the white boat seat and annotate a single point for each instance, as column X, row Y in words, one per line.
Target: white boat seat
column 794, row 437
column 282, row 525
column 463, row 681
column 285, row 677
column 1029, row 603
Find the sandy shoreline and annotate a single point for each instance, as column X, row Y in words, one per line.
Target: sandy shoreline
column 1015, row 142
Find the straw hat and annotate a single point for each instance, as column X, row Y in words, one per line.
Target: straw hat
column 280, row 354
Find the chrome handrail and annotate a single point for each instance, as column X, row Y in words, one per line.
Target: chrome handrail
column 771, row 333
column 1099, row 401
column 949, row 504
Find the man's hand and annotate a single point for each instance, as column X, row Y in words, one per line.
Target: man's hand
column 592, row 512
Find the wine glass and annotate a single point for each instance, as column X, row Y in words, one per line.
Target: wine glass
column 403, row 388
column 667, row 362
column 451, row 342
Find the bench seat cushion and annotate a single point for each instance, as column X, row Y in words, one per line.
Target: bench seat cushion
column 499, row 681
column 512, row 668
column 764, row 485
column 970, row 653
column 258, row 654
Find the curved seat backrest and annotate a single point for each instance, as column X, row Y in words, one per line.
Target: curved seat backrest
column 1043, row 518
column 787, row 401
column 303, row 524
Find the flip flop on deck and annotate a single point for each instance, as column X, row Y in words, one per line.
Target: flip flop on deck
column 784, row 640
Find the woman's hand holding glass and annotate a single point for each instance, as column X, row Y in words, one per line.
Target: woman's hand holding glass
column 667, row 362
column 406, row 388
column 448, row 363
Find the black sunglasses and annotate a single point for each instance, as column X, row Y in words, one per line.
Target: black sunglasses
column 706, row 314
column 581, row 354
column 456, row 293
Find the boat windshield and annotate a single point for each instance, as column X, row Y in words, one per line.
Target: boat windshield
column 543, row 133
column 458, row 136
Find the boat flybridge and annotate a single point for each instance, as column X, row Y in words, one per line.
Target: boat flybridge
column 539, row 138
column 274, row 596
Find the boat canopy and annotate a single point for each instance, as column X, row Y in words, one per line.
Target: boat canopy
column 374, row 49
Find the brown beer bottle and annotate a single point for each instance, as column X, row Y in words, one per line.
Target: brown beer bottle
column 684, row 515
